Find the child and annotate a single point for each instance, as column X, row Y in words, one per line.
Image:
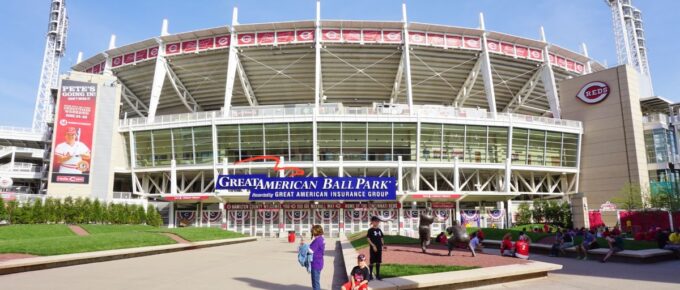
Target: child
column 475, row 244
column 506, row 246
column 377, row 243
column 522, row 248
column 358, row 276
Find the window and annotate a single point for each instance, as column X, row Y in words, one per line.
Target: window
column 520, row 139
column 276, row 136
column 329, row 141
column 301, row 141
column 184, row 147
column 252, row 141
column 454, row 140
column 354, row 141
column 475, row 141
column 405, row 141
column 569, row 149
column 498, row 144
column 553, row 146
column 430, row 142
column 379, row 141
column 203, row 145
column 536, row 147
column 143, row 148
column 162, row 145
column 228, row 143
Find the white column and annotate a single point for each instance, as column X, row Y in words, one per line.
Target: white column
column 231, row 65
column 486, row 71
column 173, row 177
column 509, row 214
column 282, row 234
column 588, row 68
column 317, row 58
column 315, row 143
column 160, row 72
column 548, row 79
column 508, row 174
column 341, row 173
column 11, row 162
column 400, row 190
column 407, row 59
column 224, row 213
column 199, row 214
column 171, row 215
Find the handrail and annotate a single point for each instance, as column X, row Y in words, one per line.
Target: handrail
column 262, row 112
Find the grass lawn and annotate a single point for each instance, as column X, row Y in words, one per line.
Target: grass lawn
column 202, row 234
column 15, row 232
column 107, row 229
column 76, row 244
column 530, row 227
column 46, row 240
column 398, row 270
column 360, row 241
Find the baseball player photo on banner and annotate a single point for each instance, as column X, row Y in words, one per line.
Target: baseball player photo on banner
column 73, row 133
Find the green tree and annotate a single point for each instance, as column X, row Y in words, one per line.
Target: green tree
column 97, row 212
column 630, row 197
column 70, row 211
column 22, row 214
column 141, row 214
column 539, row 210
column 565, row 218
column 87, row 211
column 663, row 199
column 153, row 216
column 59, row 211
column 12, row 206
column 523, row 214
column 38, row 210
column 3, row 210
column 48, row 207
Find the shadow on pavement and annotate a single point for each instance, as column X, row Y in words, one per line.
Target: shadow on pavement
column 261, row 284
column 339, row 275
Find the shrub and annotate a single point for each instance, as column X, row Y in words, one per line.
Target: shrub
column 153, row 217
column 11, row 208
column 97, row 212
column 539, row 210
column 38, row 212
column 69, row 210
column 523, row 214
column 3, row 210
column 86, row 209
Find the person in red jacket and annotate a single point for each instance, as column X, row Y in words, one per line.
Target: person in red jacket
column 506, row 246
column 546, row 228
column 480, row 235
column 522, row 249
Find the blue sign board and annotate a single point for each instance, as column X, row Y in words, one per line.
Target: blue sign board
column 264, row 188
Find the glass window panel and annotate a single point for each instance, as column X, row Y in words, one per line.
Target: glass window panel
column 354, row 141
column 536, row 147
column 143, row 147
column 329, row 141
column 476, row 144
column 454, row 140
column 228, row 143
column 569, row 149
column 184, row 147
column 553, row 146
column 277, row 140
column 301, row 141
column 405, row 141
column 380, row 141
column 203, row 144
column 519, row 146
column 498, row 144
column 162, row 145
column 252, row 143
column 430, row 142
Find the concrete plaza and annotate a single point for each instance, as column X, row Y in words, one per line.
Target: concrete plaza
column 272, row 264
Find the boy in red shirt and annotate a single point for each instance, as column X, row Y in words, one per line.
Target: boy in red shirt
column 358, row 276
column 522, row 249
column 506, row 246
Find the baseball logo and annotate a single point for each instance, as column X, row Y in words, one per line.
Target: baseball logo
column 332, row 35
column 306, row 35
column 535, row 54
column 593, row 92
column 116, row 61
column 417, row 38
column 493, row 46
column 83, row 166
column 63, row 122
column 472, row 43
column 173, row 48
column 190, row 45
column 223, row 41
column 153, row 51
column 393, row 36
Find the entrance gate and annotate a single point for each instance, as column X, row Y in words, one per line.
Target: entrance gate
column 356, row 220
column 390, row 224
column 329, row 219
column 266, row 222
column 212, row 218
column 297, row 220
column 240, row 221
column 184, row 218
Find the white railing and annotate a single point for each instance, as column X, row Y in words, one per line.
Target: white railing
column 34, row 151
column 122, row 195
column 655, row 118
column 20, row 167
column 268, row 112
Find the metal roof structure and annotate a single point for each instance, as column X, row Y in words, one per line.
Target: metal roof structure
column 360, row 63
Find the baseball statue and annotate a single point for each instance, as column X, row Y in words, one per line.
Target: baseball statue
column 425, row 229
column 458, row 235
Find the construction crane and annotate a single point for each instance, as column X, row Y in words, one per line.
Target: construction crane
column 631, row 47
column 49, row 75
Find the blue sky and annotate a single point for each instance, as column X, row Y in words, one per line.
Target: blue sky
column 567, row 23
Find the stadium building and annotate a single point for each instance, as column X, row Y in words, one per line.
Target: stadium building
column 468, row 122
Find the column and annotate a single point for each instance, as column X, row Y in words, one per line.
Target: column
column 407, row 60
column 341, row 219
column 171, row 215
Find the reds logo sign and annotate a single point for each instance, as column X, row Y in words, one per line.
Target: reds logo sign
column 593, row 92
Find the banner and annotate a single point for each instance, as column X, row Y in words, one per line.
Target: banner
column 264, row 188
column 73, row 133
column 285, row 37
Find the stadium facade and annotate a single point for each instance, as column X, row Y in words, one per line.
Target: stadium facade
column 469, row 122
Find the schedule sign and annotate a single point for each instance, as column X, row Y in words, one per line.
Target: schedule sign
column 264, row 188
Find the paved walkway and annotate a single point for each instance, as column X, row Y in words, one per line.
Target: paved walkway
column 264, row 264
column 78, row 230
column 592, row 274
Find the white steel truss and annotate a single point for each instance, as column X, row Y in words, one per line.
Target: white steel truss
column 133, row 101
column 247, row 88
column 524, row 93
column 182, row 92
column 55, row 47
column 464, row 92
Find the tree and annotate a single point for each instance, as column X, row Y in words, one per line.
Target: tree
column 3, row 210
column 58, row 211
column 141, row 214
column 552, row 211
column 565, row 215
column 629, row 197
column 87, row 211
column 539, row 210
column 523, row 214
column 663, row 199
column 38, row 210
column 153, row 217
column 69, row 210
column 12, row 205
column 97, row 212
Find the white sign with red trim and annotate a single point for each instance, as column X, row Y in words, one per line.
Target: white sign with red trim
column 593, row 92
column 6, row 182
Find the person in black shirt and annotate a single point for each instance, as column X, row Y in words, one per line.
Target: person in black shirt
column 359, row 275
column 377, row 243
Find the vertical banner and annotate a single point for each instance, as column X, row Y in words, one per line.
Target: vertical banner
column 73, row 133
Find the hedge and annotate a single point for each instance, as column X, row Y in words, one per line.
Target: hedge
column 78, row 211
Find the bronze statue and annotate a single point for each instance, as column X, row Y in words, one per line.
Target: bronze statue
column 424, row 231
column 458, row 235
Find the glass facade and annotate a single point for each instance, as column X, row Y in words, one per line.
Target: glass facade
column 357, row 141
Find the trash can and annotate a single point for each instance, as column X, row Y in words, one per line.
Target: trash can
column 291, row 236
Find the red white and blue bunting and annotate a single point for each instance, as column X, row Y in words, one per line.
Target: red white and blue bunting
column 296, row 215
column 186, row 216
column 411, row 214
column 212, row 216
column 495, row 214
column 268, row 215
column 326, row 215
column 469, row 215
column 355, row 215
column 385, row 215
column 442, row 214
column 239, row 215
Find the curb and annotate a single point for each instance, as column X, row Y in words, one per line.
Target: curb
column 461, row 279
column 49, row 262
